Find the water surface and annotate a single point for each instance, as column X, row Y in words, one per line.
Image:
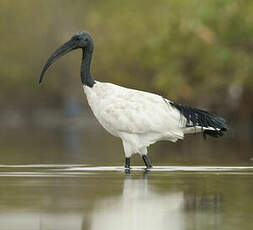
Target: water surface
column 86, row 197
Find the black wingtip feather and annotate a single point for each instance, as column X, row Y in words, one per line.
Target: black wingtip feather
column 198, row 117
column 213, row 133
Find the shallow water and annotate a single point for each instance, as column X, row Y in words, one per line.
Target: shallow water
column 87, row 197
column 72, row 178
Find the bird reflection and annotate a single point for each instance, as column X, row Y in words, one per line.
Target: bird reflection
column 139, row 207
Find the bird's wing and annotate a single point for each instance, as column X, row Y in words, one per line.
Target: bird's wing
column 132, row 111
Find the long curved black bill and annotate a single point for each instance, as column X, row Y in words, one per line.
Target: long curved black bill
column 62, row 50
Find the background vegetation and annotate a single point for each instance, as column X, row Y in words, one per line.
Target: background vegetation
column 195, row 52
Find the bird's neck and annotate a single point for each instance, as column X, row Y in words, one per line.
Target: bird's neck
column 86, row 77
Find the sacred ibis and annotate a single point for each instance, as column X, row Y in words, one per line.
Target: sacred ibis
column 138, row 118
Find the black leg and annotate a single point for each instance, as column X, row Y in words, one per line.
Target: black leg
column 146, row 161
column 127, row 163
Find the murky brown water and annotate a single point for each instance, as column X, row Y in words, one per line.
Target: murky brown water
column 52, row 198
column 77, row 182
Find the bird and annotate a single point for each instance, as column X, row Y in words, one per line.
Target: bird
column 137, row 117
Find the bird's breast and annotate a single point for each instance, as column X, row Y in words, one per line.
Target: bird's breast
column 99, row 97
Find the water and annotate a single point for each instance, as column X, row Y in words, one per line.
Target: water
column 72, row 178
column 85, row 197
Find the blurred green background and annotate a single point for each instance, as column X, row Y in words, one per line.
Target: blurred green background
column 194, row 52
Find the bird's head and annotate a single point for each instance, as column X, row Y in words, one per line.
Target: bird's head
column 81, row 40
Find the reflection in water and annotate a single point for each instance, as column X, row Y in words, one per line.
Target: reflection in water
column 140, row 207
column 112, row 200
column 203, row 211
column 41, row 221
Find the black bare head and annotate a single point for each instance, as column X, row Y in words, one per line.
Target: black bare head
column 82, row 40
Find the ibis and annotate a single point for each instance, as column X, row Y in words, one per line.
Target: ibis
column 139, row 118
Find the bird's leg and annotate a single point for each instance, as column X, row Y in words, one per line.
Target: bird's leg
column 127, row 163
column 146, row 161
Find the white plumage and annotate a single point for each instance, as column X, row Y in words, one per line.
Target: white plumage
column 138, row 118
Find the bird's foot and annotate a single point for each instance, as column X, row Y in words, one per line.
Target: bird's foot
column 127, row 171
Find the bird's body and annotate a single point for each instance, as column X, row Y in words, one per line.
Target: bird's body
column 139, row 118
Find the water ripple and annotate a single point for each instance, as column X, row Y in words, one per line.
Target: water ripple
column 64, row 170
